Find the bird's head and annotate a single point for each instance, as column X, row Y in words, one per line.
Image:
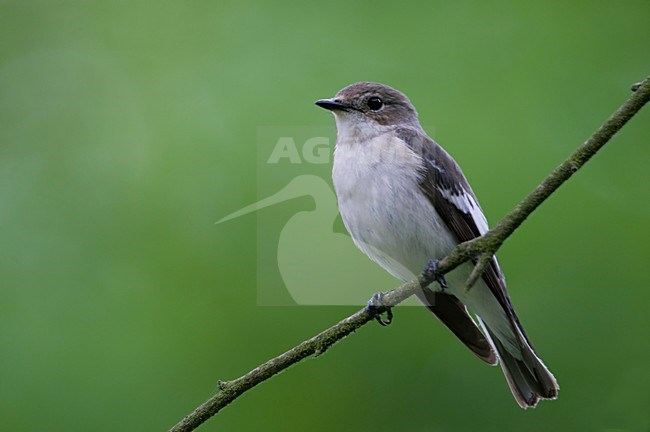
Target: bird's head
column 371, row 103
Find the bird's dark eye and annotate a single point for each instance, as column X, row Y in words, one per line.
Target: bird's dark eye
column 375, row 104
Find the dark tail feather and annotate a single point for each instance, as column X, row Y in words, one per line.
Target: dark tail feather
column 528, row 378
column 453, row 314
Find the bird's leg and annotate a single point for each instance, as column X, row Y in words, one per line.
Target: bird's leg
column 376, row 307
column 431, row 272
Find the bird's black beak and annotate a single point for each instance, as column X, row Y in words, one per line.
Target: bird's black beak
column 332, row 104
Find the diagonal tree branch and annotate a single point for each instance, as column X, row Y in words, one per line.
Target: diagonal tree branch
column 493, row 239
column 482, row 247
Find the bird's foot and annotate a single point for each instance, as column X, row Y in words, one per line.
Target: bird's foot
column 431, row 272
column 376, row 307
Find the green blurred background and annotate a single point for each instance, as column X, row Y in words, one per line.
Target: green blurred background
column 128, row 128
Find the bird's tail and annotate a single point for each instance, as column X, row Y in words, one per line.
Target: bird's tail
column 529, row 379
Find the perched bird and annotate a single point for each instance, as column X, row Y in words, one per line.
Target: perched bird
column 405, row 201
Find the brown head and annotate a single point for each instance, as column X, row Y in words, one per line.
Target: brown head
column 372, row 101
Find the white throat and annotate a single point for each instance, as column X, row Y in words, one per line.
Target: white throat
column 354, row 128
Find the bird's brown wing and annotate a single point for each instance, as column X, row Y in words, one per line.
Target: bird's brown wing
column 445, row 186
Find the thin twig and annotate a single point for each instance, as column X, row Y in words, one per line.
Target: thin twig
column 495, row 237
column 484, row 246
column 479, row 268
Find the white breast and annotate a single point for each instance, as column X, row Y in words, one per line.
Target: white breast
column 376, row 177
column 377, row 183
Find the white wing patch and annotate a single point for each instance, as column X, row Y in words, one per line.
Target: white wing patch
column 466, row 203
